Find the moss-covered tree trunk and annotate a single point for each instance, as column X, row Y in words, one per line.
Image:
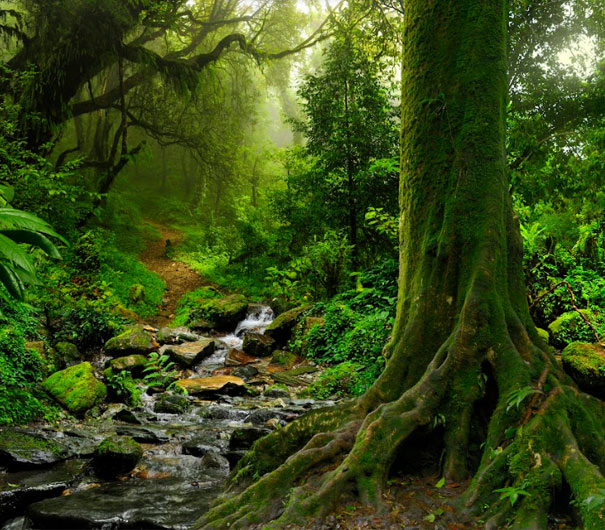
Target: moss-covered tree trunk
column 464, row 347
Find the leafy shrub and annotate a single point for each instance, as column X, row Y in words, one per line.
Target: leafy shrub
column 123, row 386
column 88, row 327
column 160, row 373
column 18, row 364
column 344, row 379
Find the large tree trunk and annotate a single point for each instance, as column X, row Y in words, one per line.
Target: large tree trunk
column 463, row 337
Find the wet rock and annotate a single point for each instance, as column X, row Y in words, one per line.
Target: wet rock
column 20, row 523
column 135, row 340
column 227, row 384
column 244, row 437
column 276, row 392
column 258, row 345
column 281, row 328
column 570, row 327
column 134, row 364
column 76, row 388
column 17, row 490
column 215, row 461
column 306, row 403
column 239, row 358
column 245, row 372
column 21, row 450
column 116, row 456
column 261, row 416
column 175, row 336
column 67, row 354
column 191, row 353
column 144, row 435
column 222, row 314
column 585, row 363
column 274, row 423
column 283, row 359
column 201, row 325
column 127, row 416
column 172, row 404
column 199, row 448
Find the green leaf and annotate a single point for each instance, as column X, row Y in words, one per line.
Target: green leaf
column 441, row 483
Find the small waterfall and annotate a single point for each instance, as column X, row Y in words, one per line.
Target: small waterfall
column 257, row 320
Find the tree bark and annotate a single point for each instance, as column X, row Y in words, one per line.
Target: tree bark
column 463, row 343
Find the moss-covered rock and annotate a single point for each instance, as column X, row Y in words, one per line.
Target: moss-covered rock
column 131, row 363
column 76, row 388
column 135, row 340
column 571, row 327
column 222, row 314
column 172, row 404
column 20, row 450
column 585, row 363
column 281, row 328
column 67, row 353
column 191, row 353
column 543, row 334
column 115, row 456
column 258, row 345
column 283, row 359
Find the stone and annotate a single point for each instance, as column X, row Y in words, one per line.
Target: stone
column 543, row 334
column 191, row 353
column 172, row 404
column 238, row 358
column 143, row 434
column 282, row 327
column 244, row 437
column 222, row 314
column 67, row 353
column 21, row 450
column 274, row 423
column 76, row 388
column 175, row 336
column 258, row 344
column 221, row 383
column 570, row 327
column 134, row 340
column 276, row 392
column 213, row 460
column 585, row 363
column 283, row 359
column 116, row 456
column 245, row 372
column 134, row 364
column 261, row 416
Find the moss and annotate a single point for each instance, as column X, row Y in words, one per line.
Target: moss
column 223, row 313
column 586, row 365
column 284, row 358
column 76, row 388
column 131, row 363
column 570, row 327
column 26, row 442
column 134, row 340
column 543, row 334
column 116, row 456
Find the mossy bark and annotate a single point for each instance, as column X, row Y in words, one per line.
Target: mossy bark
column 463, row 338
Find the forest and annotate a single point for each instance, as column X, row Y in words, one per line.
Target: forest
column 314, row 264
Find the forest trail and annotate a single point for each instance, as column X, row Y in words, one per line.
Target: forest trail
column 179, row 277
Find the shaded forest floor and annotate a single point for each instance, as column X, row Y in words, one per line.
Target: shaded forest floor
column 179, row 277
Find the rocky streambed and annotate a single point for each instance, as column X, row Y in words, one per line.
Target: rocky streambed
column 51, row 476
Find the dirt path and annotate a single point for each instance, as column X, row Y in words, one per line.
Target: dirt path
column 179, row 278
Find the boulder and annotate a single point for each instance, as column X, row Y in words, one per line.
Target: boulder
column 222, row 314
column 281, row 328
column 135, row 340
column 76, row 388
column 134, row 364
column 570, row 327
column 175, row 336
column 67, row 354
column 585, row 363
column 283, row 359
column 115, row 456
column 222, row 383
column 20, row 450
column 213, row 460
column 172, row 404
column 191, row 353
column 245, row 372
column 244, row 437
column 258, row 344
column 238, row 358
column 276, row 392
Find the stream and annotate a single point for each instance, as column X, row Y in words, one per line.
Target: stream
column 187, row 455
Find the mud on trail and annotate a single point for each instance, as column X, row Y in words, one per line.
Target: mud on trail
column 179, row 277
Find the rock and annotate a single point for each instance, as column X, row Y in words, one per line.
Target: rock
column 20, row 450
column 570, row 327
column 280, row 305
column 222, row 314
column 201, row 326
column 245, row 372
column 67, row 353
column 127, row 416
column 585, row 363
column 202, row 445
column 39, row 346
column 213, row 460
column 221, row 383
column 261, row 416
column 137, row 293
column 244, row 437
column 116, row 456
column 276, row 392
column 281, row 328
column 258, row 344
column 76, row 388
column 543, row 334
column 191, row 353
column 238, row 358
column 131, row 363
column 144, row 435
column 134, row 340
column 175, row 336
column 274, row 423
column 20, row 489
column 283, row 359
column 172, row 404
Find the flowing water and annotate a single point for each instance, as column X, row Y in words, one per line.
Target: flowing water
column 187, row 458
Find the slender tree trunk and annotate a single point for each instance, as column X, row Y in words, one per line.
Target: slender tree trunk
column 463, row 344
column 351, row 180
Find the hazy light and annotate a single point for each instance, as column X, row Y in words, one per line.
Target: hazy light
column 580, row 56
